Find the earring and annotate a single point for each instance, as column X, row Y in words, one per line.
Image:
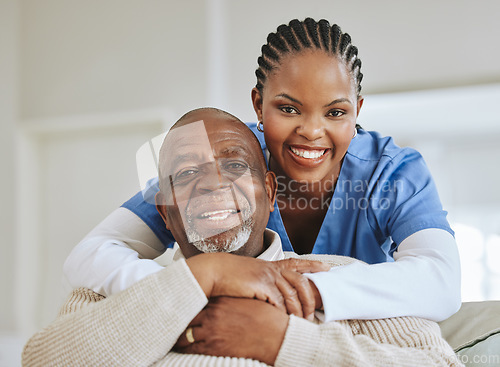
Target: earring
column 260, row 126
column 355, row 133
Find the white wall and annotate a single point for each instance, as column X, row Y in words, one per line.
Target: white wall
column 10, row 342
column 8, row 115
column 81, row 57
column 97, row 56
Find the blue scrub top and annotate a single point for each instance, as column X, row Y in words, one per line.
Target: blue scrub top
column 384, row 194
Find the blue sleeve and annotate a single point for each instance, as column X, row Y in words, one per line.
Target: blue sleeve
column 407, row 198
column 146, row 210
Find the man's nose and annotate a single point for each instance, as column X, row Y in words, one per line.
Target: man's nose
column 212, row 179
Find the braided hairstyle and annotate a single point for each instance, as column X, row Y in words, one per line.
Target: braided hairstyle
column 309, row 34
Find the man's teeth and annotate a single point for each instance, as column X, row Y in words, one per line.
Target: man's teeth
column 218, row 214
column 305, row 153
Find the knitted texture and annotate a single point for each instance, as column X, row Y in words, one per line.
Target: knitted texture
column 78, row 299
column 139, row 326
column 404, row 341
column 136, row 327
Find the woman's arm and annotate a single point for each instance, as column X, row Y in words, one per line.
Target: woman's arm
column 114, row 255
column 132, row 328
column 424, row 281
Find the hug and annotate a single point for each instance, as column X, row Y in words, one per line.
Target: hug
column 261, row 275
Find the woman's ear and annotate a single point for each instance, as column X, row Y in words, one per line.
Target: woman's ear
column 257, row 103
column 161, row 206
column 271, row 187
column 360, row 104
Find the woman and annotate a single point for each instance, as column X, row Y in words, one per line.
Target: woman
column 341, row 190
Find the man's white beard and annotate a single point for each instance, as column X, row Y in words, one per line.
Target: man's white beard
column 224, row 244
column 222, row 241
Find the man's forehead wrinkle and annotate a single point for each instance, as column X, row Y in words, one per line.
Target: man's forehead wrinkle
column 187, row 137
column 219, row 137
column 232, row 137
column 242, row 142
column 190, row 156
column 188, row 131
column 182, row 139
column 228, row 130
column 234, row 150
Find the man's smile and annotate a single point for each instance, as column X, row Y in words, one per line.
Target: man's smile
column 217, row 215
column 212, row 214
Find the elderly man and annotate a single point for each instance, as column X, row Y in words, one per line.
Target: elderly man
column 216, row 196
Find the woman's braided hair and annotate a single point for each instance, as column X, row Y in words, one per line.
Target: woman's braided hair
column 309, row 34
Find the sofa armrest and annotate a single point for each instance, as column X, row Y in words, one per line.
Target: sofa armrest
column 472, row 324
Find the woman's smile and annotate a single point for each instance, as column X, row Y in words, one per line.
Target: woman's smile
column 307, row 156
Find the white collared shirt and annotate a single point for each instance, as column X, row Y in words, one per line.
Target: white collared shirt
column 273, row 252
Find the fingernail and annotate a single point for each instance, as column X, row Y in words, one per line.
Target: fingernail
column 310, row 317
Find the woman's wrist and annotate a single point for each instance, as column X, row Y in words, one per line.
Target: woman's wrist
column 317, row 295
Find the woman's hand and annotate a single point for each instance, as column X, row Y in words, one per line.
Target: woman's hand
column 278, row 282
column 237, row 327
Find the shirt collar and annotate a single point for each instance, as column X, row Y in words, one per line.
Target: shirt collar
column 273, row 251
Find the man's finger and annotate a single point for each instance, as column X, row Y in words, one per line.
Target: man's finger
column 196, row 326
column 195, row 348
column 191, row 336
column 198, row 319
column 304, row 292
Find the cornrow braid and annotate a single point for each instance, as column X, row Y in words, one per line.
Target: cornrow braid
column 309, row 34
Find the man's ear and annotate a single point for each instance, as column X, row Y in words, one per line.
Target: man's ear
column 257, row 103
column 360, row 104
column 161, row 206
column 271, row 188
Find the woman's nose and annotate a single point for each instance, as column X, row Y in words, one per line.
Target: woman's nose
column 311, row 129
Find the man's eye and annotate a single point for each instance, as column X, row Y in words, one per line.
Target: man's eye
column 185, row 174
column 289, row 110
column 235, row 166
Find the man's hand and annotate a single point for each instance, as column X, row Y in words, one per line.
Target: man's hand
column 280, row 283
column 237, row 327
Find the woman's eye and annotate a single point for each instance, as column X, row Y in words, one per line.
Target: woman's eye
column 336, row 113
column 288, row 109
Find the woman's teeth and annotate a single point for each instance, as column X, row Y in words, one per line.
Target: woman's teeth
column 218, row 214
column 306, row 153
